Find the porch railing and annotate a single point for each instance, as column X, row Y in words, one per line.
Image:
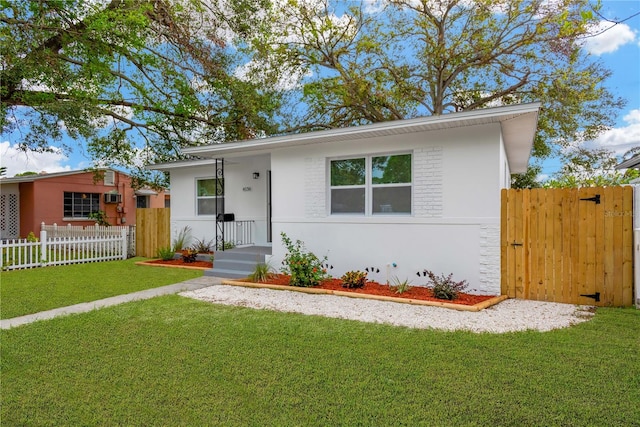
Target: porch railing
column 237, row 233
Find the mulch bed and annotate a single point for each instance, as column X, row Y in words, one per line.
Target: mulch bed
column 375, row 288
column 371, row 288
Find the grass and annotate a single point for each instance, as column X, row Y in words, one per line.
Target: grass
column 175, row 361
column 39, row 289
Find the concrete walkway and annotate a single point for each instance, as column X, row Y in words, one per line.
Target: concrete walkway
column 188, row 285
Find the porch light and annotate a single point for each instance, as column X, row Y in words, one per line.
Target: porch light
column 256, row 175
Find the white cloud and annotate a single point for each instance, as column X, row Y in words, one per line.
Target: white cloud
column 608, row 37
column 623, row 138
column 18, row 161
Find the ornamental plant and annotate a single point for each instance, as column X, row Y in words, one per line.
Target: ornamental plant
column 354, row 279
column 189, row 255
column 262, row 272
column 165, row 253
column 444, row 287
column 304, row 267
column 400, row 286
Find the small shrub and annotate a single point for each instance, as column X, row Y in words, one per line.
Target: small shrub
column 305, row 268
column 444, row 287
column 100, row 217
column 165, row 253
column 225, row 246
column 189, row 255
column 203, row 246
column 31, row 237
column 183, row 239
column 354, row 279
column 262, row 273
column 400, row 286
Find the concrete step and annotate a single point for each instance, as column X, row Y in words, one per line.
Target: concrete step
column 234, row 264
column 227, row 274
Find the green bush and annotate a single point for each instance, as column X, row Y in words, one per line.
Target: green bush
column 165, row 253
column 262, row 273
column 444, row 287
column 225, row 246
column 304, row 267
column 400, row 287
column 354, row 279
column 183, row 239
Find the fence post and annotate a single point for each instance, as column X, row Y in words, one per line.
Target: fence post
column 123, row 235
column 636, row 260
column 43, row 247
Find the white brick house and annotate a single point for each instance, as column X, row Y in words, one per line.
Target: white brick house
column 399, row 196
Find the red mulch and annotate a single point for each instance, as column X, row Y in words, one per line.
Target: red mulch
column 374, row 288
column 179, row 262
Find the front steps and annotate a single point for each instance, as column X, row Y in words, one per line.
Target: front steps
column 237, row 263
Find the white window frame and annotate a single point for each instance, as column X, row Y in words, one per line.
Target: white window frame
column 198, row 197
column 93, row 197
column 368, row 185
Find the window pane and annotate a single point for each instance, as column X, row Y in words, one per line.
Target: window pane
column 349, row 200
column 347, row 172
column 392, row 200
column 391, row 169
column 207, row 187
column 208, row 206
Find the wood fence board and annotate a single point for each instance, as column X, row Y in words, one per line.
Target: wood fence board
column 152, row 230
column 571, row 247
column 627, row 243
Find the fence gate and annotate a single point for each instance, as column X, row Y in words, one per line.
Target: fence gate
column 568, row 245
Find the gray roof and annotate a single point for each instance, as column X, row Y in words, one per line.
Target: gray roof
column 519, row 124
column 633, row 162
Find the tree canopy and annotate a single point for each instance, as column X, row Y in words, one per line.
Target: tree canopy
column 134, row 79
column 172, row 73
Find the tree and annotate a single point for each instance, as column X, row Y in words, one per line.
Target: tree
column 583, row 167
column 136, row 79
column 431, row 57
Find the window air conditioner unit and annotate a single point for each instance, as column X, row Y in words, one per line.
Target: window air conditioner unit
column 112, row 198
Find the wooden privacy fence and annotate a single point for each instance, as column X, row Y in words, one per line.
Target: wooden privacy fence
column 153, row 231
column 568, row 245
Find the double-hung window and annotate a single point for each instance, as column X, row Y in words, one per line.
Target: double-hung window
column 80, row 205
column 209, row 193
column 371, row 185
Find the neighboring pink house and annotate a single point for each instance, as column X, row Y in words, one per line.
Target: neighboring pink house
column 68, row 198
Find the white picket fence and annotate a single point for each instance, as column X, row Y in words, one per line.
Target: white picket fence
column 22, row 253
column 55, row 230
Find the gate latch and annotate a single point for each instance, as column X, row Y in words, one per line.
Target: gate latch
column 516, row 244
column 595, row 199
column 595, row 296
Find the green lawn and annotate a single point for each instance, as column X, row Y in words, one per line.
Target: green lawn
column 38, row 289
column 180, row 362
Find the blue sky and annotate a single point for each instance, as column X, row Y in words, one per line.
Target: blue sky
column 618, row 48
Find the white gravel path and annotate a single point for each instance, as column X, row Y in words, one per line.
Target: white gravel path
column 507, row 316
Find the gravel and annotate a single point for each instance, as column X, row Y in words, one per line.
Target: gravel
column 508, row 316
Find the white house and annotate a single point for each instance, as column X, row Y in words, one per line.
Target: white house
column 400, row 197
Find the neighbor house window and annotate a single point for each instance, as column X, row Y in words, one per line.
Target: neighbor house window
column 372, row 185
column 209, row 193
column 80, row 205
